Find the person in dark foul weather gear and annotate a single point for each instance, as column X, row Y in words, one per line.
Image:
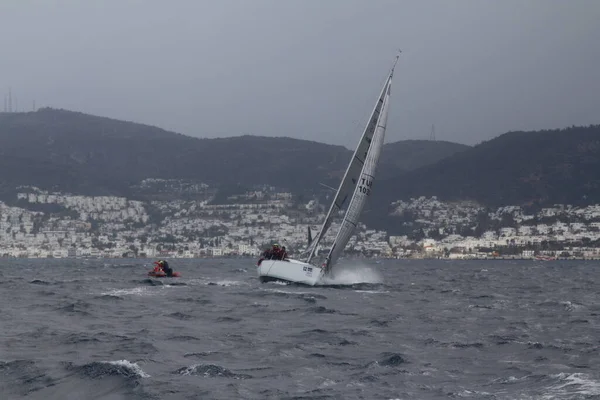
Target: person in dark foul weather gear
column 165, row 267
column 276, row 252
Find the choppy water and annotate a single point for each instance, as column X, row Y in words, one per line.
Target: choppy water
column 76, row 329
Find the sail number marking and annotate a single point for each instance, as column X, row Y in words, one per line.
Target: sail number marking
column 365, row 186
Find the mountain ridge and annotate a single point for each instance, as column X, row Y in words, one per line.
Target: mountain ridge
column 529, row 169
column 81, row 153
column 516, row 168
column 60, row 150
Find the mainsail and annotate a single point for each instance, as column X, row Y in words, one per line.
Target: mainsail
column 363, row 188
column 358, row 178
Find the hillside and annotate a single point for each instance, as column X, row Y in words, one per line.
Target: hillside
column 89, row 154
column 408, row 155
column 69, row 151
column 517, row 168
column 83, row 154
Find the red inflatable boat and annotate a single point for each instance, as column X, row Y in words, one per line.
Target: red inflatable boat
column 161, row 274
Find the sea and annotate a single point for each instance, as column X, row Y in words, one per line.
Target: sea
column 382, row 329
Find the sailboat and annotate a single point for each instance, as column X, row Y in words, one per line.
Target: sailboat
column 351, row 196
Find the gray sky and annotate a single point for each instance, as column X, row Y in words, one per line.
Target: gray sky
column 309, row 69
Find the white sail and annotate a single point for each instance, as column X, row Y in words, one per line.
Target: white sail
column 363, row 187
column 351, row 196
column 353, row 172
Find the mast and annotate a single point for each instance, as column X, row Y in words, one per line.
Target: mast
column 349, row 181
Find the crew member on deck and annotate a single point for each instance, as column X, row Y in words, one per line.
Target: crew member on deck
column 267, row 254
column 276, row 251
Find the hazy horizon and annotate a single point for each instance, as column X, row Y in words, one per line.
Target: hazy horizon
column 306, row 69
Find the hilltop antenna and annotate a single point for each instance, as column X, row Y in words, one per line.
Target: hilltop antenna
column 9, row 100
column 5, row 104
column 432, row 134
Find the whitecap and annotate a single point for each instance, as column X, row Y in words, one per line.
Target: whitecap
column 130, row 366
column 576, row 383
column 229, row 283
column 137, row 291
column 372, row 291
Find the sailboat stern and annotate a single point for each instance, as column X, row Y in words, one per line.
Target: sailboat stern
column 290, row 271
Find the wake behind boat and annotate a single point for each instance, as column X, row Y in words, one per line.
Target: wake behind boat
column 355, row 186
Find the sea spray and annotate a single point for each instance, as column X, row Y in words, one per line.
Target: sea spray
column 350, row 273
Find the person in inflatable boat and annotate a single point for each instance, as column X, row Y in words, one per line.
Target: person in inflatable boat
column 163, row 266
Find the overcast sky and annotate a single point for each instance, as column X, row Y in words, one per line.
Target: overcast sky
column 309, row 69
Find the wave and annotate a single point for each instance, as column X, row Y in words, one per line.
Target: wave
column 180, row 316
column 307, row 296
column 325, row 310
column 109, row 297
column 193, row 300
column 228, row 319
column 540, row 386
column 579, row 321
column 40, row 282
column 455, row 345
column 22, row 377
column 79, row 338
column 576, row 383
column 227, row 283
column 539, row 346
column 323, row 336
column 378, row 323
column 392, row 360
column 566, row 305
column 78, row 307
column 210, row 371
column 138, row 291
column 359, row 290
column 138, row 347
column 134, row 266
column 99, row 369
column 275, row 292
column 150, row 282
column 200, row 354
column 503, row 339
column 176, row 283
column 458, row 345
column 310, row 296
column 184, row 338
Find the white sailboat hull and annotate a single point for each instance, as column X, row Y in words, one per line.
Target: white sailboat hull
column 289, row 271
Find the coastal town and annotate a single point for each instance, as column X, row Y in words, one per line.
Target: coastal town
column 41, row 224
